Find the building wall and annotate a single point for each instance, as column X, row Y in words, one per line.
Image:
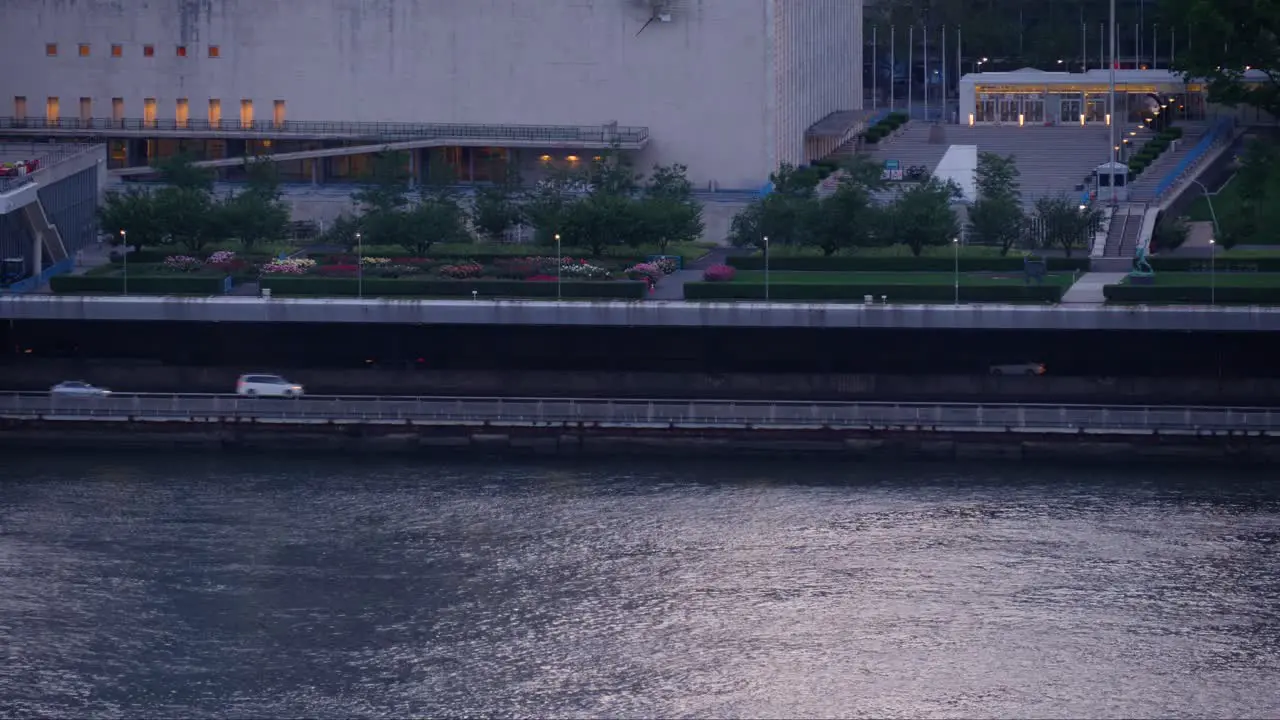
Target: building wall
column 704, row 83
column 818, row 47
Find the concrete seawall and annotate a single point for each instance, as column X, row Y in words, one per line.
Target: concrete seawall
column 132, row 377
column 579, row 440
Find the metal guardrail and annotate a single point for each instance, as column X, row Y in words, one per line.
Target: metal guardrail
column 350, row 130
column 49, row 155
column 1220, row 131
column 713, row 413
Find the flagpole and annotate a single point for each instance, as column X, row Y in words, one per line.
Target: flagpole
column 875, row 71
column 911, row 41
column 1111, row 105
column 893, row 70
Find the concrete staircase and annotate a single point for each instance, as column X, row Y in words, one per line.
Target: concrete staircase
column 1052, row 161
column 1143, row 188
column 1124, row 231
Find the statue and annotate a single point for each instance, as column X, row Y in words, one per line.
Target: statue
column 1142, row 272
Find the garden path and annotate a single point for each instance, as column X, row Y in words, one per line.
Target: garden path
column 1088, row 289
column 672, row 286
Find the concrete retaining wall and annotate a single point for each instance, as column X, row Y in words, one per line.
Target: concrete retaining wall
column 579, row 441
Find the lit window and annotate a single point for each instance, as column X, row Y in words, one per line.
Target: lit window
column 246, row 114
column 149, row 111
column 277, row 114
column 215, row 112
column 182, row 51
column 572, row 158
column 52, row 113
column 215, row 51
column 51, row 49
column 117, row 51
column 180, row 117
column 117, row 109
column 84, row 50
column 148, row 50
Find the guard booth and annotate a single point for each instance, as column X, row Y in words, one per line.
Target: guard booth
column 1111, row 182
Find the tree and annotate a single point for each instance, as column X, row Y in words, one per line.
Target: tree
column 252, row 217
column 996, row 217
column 546, row 205
column 495, row 209
column 1231, row 38
column 437, row 218
column 847, row 218
column 180, row 171
column 667, row 211
column 783, row 215
column 600, row 220
column 387, row 185
column 921, row 216
column 1062, row 223
column 133, row 211
column 187, row 216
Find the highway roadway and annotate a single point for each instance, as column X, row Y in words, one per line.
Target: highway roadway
column 642, row 413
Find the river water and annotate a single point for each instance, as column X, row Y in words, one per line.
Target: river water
column 210, row 586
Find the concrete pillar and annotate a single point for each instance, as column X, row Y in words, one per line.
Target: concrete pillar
column 413, row 168
column 37, row 251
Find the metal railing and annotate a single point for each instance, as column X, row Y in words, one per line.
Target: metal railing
column 347, row 130
column 47, row 156
column 1221, row 131
column 707, row 413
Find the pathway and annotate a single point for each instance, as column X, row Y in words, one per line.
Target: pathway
column 672, row 286
column 1088, row 289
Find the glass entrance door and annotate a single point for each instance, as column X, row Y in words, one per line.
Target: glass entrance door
column 986, row 110
column 1070, row 110
column 1033, row 108
column 1097, row 109
column 1009, row 109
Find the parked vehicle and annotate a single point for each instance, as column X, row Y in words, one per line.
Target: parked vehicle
column 1018, row 369
column 77, row 388
column 267, row 386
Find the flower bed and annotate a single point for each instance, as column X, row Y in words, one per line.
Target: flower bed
column 314, row 286
column 719, row 273
column 534, row 268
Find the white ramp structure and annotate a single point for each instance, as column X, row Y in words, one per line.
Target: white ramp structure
column 960, row 165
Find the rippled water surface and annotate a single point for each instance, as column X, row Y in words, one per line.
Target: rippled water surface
column 203, row 587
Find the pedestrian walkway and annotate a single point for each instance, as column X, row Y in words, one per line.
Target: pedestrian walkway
column 1088, row 289
column 671, row 287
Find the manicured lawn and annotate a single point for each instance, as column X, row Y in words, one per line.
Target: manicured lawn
column 883, row 278
column 1222, row 279
column 1226, row 202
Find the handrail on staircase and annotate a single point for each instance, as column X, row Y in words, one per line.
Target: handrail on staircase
column 1220, row 130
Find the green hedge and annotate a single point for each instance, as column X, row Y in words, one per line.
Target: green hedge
column 1199, row 294
column 895, row 293
column 934, row 263
column 345, row 287
column 147, row 256
column 144, row 285
column 1221, row 264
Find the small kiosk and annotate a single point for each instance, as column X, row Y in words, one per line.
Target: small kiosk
column 1111, row 182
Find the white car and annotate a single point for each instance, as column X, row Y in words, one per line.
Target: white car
column 78, row 388
column 1018, row 369
column 267, row 386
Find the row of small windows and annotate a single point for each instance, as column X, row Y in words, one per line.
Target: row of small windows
column 84, row 50
column 182, row 110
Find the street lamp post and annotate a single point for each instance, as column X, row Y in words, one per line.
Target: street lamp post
column 1209, row 199
column 766, row 268
column 955, row 243
column 359, row 267
column 559, row 267
column 1213, row 272
column 124, row 255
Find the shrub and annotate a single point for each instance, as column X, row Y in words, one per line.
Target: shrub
column 337, row 270
column 881, row 263
column 666, row 265
column 898, row 117
column 719, row 273
column 182, row 263
column 176, row 284
column 896, row 293
column 1197, row 294
column 312, row 286
column 291, row 266
column 462, row 271
column 642, row 271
